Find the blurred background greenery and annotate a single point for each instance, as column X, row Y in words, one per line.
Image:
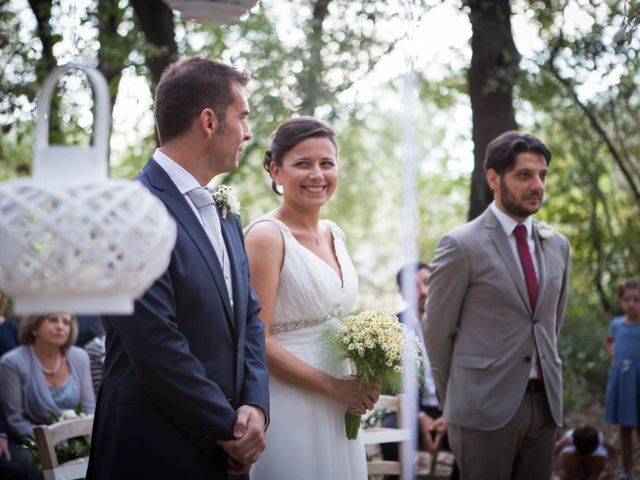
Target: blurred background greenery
column 566, row 71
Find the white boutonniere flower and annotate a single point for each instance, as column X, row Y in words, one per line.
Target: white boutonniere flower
column 226, row 200
column 545, row 231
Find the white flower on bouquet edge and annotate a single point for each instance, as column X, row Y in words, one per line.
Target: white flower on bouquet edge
column 226, row 200
column 72, row 415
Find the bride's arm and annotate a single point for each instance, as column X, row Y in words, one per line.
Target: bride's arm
column 265, row 249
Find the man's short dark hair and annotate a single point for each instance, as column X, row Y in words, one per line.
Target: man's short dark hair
column 189, row 86
column 411, row 268
column 586, row 440
column 502, row 151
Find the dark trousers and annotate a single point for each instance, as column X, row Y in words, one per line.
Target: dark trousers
column 520, row 450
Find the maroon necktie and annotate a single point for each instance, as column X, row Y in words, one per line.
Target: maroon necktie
column 520, row 232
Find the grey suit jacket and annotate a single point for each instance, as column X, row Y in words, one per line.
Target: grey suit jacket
column 480, row 330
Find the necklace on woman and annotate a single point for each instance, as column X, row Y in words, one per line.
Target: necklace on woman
column 48, row 371
column 316, row 236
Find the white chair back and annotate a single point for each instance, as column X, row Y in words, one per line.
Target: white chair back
column 47, row 436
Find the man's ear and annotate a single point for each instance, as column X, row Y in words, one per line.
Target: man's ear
column 208, row 122
column 493, row 179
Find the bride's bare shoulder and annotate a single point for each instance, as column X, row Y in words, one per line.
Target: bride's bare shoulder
column 264, row 232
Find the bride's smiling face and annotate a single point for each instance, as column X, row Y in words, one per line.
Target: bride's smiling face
column 309, row 172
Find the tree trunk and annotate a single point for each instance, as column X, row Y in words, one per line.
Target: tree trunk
column 114, row 49
column 42, row 11
column 311, row 85
column 492, row 75
column 156, row 21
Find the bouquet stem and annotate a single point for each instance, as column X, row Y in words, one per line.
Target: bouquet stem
column 352, row 424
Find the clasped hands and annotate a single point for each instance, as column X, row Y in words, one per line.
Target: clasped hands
column 431, row 432
column 248, row 440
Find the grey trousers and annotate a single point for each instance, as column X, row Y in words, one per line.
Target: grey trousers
column 520, row 450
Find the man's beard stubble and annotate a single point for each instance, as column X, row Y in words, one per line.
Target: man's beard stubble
column 510, row 203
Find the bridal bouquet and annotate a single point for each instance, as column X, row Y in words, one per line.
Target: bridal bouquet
column 375, row 342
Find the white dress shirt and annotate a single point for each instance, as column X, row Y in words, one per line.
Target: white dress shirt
column 185, row 182
column 429, row 397
column 508, row 224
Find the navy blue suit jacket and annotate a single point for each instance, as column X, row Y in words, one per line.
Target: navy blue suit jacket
column 178, row 367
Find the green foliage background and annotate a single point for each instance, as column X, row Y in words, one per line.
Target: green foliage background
column 578, row 90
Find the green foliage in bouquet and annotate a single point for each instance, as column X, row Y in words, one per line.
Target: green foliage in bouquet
column 376, row 343
column 77, row 447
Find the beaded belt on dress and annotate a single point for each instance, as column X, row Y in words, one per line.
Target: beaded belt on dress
column 291, row 326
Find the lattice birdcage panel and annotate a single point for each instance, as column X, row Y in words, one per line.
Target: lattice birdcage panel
column 97, row 245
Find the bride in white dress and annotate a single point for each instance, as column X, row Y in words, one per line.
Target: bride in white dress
column 304, row 278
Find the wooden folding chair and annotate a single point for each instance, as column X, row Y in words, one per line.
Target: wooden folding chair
column 377, row 435
column 428, row 467
column 47, row 436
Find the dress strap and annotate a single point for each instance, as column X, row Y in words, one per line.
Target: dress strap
column 286, row 232
column 336, row 231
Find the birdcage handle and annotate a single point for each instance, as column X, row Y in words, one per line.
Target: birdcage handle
column 93, row 160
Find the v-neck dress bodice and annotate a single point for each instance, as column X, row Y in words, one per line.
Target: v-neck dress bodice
column 306, row 437
column 311, row 291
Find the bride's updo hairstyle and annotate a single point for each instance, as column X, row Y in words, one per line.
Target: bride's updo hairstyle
column 291, row 133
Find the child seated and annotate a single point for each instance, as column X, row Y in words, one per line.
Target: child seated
column 582, row 454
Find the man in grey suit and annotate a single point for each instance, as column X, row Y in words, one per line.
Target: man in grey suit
column 497, row 300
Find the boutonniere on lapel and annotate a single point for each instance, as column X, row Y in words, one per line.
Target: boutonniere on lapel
column 545, row 232
column 226, row 200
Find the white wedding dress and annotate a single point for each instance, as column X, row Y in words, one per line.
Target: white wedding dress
column 306, row 438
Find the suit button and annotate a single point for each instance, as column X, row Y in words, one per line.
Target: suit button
column 527, row 359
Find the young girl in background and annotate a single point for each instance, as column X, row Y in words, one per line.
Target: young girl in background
column 623, row 388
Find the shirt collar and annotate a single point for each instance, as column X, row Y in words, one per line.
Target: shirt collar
column 508, row 224
column 184, row 181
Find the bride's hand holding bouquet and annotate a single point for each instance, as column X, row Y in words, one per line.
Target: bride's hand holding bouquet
column 357, row 395
column 376, row 343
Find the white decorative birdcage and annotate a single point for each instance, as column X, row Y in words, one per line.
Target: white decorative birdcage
column 219, row 12
column 71, row 239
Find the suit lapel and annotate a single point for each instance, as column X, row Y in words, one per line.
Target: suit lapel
column 501, row 242
column 183, row 214
column 234, row 264
column 543, row 268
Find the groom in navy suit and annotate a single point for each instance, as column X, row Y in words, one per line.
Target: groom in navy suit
column 185, row 389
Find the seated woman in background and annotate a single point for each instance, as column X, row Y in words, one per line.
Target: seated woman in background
column 45, row 375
